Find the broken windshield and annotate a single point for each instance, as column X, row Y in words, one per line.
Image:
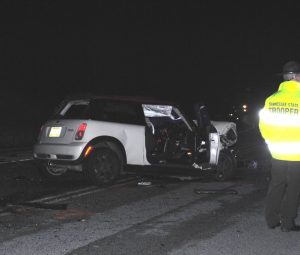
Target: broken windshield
column 160, row 111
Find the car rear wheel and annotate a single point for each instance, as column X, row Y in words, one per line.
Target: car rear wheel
column 226, row 167
column 103, row 166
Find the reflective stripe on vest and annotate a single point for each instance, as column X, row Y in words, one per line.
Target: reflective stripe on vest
column 287, row 120
column 284, row 148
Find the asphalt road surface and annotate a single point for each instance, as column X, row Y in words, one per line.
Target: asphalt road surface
column 171, row 216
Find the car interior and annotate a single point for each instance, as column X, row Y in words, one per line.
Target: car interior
column 168, row 137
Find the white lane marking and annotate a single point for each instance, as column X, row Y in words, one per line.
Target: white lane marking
column 66, row 194
column 26, row 159
column 92, row 190
column 72, row 194
column 79, row 192
column 52, row 199
column 16, row 161
column 67, row 237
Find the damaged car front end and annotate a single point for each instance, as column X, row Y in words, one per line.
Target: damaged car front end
column 227, row 163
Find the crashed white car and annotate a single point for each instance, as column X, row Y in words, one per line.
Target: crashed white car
column 227, row 132
column 107, row 136
column 227, row 161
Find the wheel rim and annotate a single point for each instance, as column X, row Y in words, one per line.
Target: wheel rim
column 103, row 167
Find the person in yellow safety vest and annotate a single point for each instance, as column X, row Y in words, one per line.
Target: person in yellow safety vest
column 279, row 124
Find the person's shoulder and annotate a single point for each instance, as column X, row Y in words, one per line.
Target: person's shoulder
column 274, row 94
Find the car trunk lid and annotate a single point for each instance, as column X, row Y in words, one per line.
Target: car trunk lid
column 60, row 131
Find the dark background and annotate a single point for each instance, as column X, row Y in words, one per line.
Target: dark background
column 223, row 52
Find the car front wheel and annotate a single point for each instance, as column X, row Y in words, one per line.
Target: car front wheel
column 226, row 167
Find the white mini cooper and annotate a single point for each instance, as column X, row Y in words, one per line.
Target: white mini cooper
column 106, row 136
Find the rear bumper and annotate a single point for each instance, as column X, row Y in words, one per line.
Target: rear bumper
column 59, row 152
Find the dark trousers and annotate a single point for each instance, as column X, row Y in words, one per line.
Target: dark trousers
column 283, row 194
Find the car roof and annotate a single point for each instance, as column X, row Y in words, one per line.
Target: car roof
column 136, row 99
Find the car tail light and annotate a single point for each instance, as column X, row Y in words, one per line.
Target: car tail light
column 80, row 131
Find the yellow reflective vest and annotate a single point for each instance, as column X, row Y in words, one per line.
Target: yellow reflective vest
column 279, row 122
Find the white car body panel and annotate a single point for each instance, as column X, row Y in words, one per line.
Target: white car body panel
column 214, row 140
column 223, row 127
column 132, row 138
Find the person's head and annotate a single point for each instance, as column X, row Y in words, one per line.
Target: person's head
column 291, row 71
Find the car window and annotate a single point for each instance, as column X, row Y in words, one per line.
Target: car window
column 115, row 111
column 74, row 110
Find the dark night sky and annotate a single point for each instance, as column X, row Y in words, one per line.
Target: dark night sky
column 179, row 50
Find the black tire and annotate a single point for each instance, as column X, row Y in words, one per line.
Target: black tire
column 49, row 172
column 226, row 167
column 103, row 166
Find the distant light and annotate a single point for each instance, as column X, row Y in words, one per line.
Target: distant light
column 230, row 114
column 244, row 106
column 237, row 118
column 244, row 110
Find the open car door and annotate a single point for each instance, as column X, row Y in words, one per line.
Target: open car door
column 209, row 133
